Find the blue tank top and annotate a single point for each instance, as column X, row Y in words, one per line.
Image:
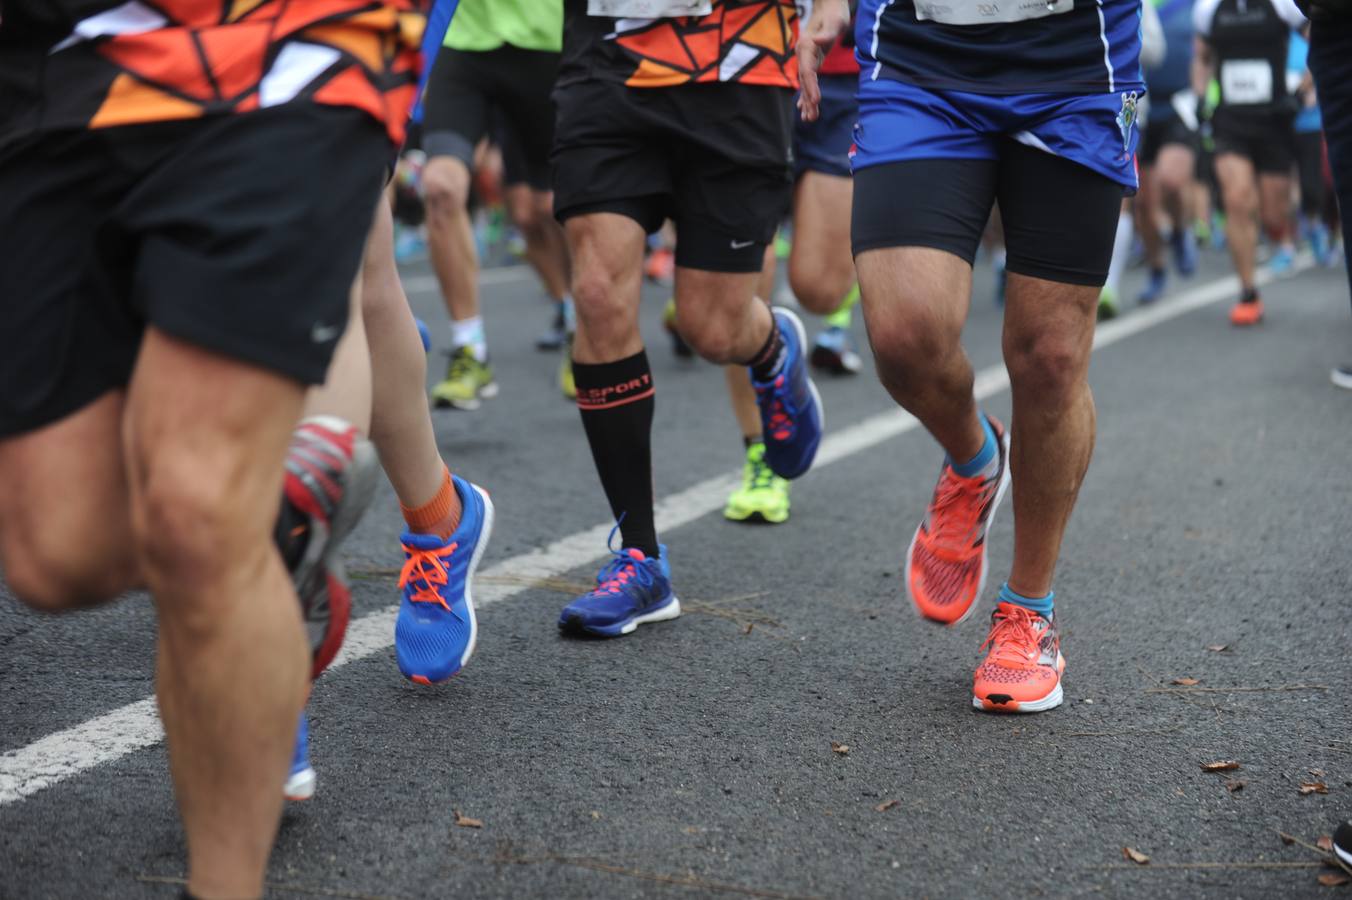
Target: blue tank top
column 1003, row 46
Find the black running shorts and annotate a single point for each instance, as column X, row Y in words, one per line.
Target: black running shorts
column 1059, row 217
column 1161, row 131
column 1268, row 141
column 502, row 93
column 241, row 234
column 713, row 158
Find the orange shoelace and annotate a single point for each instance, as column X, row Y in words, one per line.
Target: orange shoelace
column 1013, row 639
column 426, row 571
column 955, row 513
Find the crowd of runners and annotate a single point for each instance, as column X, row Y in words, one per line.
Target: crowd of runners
column 203, row 198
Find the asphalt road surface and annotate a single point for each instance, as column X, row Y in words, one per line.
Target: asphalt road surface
column 695, row 758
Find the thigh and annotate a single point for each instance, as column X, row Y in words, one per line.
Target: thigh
column 1176, row 164
column 942, row 204
column 68, row 334
column 821, row 226
column 1060, row 217
column 251, row 232
column 455, row 106
column 1235, row 172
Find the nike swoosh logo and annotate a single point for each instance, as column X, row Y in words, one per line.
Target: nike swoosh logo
column 322, row 334
column 741, row 245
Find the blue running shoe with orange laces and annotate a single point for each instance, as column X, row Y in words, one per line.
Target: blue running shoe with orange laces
column 436, row 629
column 300, row 783
column 790, row 407
column 631, row 590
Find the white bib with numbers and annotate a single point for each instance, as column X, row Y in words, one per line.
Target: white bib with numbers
column 1246, row 81
column 988, row 12
column 648, row 9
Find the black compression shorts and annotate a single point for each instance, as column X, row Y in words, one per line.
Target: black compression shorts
column 1059, row 217
column 241, row 234
column 714, row 158
column 1268, row 141
column 503, row 93
column 1159, row 132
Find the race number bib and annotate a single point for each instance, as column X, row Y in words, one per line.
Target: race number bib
column 1246, row 81
column 648, row 9
column 988, row 12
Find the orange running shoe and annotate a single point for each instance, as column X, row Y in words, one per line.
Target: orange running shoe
column 946, row 562
column 1023, row 666
column 1245, row 314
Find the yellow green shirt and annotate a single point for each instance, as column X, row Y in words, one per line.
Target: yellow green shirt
column 482, row 25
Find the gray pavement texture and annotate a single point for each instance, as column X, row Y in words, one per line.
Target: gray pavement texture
column 695, row 758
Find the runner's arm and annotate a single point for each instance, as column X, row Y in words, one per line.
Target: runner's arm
column 829, row 18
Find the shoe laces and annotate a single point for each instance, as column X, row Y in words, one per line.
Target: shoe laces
column 623, row 569
column 462, row 365
column 781, row 409
column 1014, row 638
column 426, row 571
column 756, row 474
column 955, row 512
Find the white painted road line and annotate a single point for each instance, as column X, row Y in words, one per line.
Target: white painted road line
column 109, row 737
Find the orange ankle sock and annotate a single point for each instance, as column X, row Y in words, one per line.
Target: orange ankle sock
column 440, row 515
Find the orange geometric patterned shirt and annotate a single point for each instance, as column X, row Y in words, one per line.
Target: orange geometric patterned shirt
column 744, row 41
column 100, row 64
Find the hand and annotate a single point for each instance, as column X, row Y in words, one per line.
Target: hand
column 829, row 18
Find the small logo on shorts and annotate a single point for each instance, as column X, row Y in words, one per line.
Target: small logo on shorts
column 322, row 334
column 741, row 245
column 1127, row 118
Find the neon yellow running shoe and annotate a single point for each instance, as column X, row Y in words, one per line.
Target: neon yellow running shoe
column 467, row 382
column 843, row 317
column 763, row 496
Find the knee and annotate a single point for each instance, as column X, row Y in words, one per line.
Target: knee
column 446, row 189
column 527, row 215
column 43, row 572
column 1239, row 199
column 602, row 309
column 1049, row 366
column 819, row 286
column 713, row 337
column 905, row 349
column 188, row 521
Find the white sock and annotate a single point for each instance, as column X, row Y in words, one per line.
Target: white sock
column 470, row 333
column 1121, row 250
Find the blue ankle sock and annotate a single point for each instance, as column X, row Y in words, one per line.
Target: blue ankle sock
column 983, row 457
column 1040, row 605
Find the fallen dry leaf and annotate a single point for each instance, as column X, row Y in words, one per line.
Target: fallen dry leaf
column 1235, row 785
column 749, row 626
column 691, row 829
column 838, row 747
column 1313, row 787
column 1223, row 765
column 465, row 821
column 1186, row 682
column 1317, row 773
column 1135, row 856
column 1325, row 843
column 1333, row 879
column 1218, row 648
column 596, row 814
column 885, row 805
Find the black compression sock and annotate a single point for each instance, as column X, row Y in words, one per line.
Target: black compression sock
column 769, row 360
column 616, row 402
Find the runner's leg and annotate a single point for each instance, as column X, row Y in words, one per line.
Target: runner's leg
column 205, row 438
column 1239, row 196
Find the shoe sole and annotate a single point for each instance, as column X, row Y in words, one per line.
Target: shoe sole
column 1341, row 380
column 756, row 518
column 487, row 392
column 1344, row 855
column 1042, row 704
column 475, row 558
column 300, row 786
column 834, row 363
column 1005, row 480
column 667, row 611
